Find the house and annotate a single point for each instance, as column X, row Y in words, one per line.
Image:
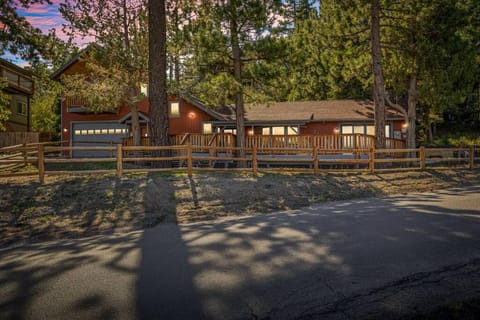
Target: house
column 189, row 115
column 81, row 128
column 324, row 117
column 20, row 87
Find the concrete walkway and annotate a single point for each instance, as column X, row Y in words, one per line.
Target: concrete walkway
column 362, row 259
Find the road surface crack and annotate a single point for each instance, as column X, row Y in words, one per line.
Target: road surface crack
column 367, row 300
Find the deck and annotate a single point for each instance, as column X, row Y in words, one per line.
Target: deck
column 344, row 142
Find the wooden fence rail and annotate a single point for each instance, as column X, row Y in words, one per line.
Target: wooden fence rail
column 189, row 158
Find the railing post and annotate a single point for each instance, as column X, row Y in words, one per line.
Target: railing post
column 119, row 160
column 371, row 160
column 315, row 161
column 422, row 158
column 471, row 157
column 189, row 160
column 254, row 161
column 41, row 164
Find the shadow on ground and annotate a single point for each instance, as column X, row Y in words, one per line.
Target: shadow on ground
column 365, row 259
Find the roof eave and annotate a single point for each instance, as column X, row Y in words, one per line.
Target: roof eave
column 200, row 105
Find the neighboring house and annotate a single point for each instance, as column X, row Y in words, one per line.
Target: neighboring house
column 20, row 88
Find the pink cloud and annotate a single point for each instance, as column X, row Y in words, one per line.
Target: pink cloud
column 42, row 23
column 38, row 10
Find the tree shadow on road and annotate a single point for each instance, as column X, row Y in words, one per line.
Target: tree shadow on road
column 358, row 258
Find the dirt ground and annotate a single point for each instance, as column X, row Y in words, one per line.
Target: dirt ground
column 83, row 205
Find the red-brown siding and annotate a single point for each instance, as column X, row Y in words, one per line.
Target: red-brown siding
column 320, row 128
column 190, row 120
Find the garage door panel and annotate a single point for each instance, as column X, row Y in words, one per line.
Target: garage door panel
column 97, row 134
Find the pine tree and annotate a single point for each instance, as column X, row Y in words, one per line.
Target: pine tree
column 431, row 58
column 230, row 37
column 118, row 61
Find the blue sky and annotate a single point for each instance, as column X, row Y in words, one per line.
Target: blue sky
column 43, row 16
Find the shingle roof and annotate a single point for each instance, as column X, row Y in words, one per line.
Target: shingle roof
column 325, row 110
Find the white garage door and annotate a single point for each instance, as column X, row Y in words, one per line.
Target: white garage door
column 87, row 134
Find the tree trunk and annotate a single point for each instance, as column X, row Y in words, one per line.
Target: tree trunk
column 237, row 69
column 412, row 107
column 136, row 132
column 157, row 73
column 378, row 86
column 239, row 111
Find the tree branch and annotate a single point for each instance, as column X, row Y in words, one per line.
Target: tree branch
column 396, row 107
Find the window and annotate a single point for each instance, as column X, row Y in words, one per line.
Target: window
column 360, row 129
column 278, row 131
column 346, row 129
column 363, row 129
column 174, row 109
column 207, row 128
column 144, row 89
column 21, row 108
column 232, row 131
column 292, row 131
column 371, row 130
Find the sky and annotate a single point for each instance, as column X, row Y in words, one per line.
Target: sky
column 43, row 16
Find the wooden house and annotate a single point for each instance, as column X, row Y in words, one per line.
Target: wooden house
column 189, row 116
column 20, row 87
column 324, row 117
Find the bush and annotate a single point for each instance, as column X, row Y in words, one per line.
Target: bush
column 460, row 140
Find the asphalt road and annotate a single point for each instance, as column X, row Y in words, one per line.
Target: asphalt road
column 364, row 259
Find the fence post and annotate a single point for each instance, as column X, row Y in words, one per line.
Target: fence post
column 422, row 158
column 189, row 160
column 254, row 161
column 41, row 164
column 25, row 154
column 315, row 161
column 119, row 160
column 471, row 157
column 371, row 160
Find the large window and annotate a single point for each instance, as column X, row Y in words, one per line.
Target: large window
column 362, row 129
column 174, row 109
column 279, row 131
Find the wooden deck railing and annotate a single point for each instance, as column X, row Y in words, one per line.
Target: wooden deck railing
column 187, row 158
column 334, row 141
